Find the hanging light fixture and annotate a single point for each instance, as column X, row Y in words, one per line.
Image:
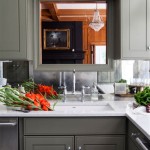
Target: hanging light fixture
column 97, row 22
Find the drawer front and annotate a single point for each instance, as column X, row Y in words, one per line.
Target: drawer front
column 74, row 126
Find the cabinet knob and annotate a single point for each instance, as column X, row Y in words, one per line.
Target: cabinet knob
column 148, row 48
column 69, row 148
column 79, row 148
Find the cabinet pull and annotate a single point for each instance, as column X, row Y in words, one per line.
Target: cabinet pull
column 8, row 123
column 138, row 141
column 79, row 148
column 69, row 148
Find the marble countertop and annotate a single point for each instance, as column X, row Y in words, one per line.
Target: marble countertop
column 141, row 121
column 118, row 104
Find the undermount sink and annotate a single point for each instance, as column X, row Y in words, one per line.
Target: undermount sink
column 84, row 108
column 78, row 97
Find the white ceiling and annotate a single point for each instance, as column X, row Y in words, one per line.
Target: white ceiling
column 80, row 5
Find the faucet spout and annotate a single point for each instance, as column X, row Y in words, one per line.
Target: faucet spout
column 74, row 81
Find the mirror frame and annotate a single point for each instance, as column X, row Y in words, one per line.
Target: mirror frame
column 69, row 67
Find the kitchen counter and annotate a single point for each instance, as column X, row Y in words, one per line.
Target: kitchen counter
column 118, row 104
column 141, row 121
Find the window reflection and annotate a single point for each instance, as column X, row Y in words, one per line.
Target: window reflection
column 98, row 54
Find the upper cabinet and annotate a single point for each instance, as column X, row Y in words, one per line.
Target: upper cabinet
column 16, row 29
column 135, row 29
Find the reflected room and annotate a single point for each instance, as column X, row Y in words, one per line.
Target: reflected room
column 73, row 33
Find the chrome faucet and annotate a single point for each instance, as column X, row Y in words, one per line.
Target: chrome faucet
column 83, row 92
column 74, row 82
column 64, row 93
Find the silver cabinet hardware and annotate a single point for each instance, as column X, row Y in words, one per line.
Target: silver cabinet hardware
column 139, row 142
column 69, row 148
column 79, row 148
column 135, row 136
column 8, row 124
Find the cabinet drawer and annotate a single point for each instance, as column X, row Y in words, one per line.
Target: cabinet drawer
column 74, row 126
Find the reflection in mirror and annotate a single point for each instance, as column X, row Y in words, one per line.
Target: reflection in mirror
column 98, row 54
column 67, row 38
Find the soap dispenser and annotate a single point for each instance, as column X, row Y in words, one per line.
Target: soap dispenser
column 94, row 92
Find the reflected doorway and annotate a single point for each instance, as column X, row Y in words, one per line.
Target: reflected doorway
column 98, row 54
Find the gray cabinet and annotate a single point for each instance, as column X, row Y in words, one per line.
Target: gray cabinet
column 104, row 142
column 131, row 145
column 16, row 29
column 76, row 133
column 135, row 31
column 49, row 143
column 136, row 140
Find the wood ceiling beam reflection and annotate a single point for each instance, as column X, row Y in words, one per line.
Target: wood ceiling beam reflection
column 53, row 11
column 79, row 19
column 78, row 15
column 70, row 12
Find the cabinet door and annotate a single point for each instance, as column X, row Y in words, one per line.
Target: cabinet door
column 13, row 29
column 134, row 29
column 48, row 143
column 131, row 145
column 100, row 142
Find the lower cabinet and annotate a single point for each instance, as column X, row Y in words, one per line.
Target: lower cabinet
column 67, row 142
column 131, row 145
column 136, row 140
column 49, row 143
column 100, row 142
column 83, row 133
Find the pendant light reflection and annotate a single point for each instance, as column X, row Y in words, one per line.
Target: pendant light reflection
column 97, row 22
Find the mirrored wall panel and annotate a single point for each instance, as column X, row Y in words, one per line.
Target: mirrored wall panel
column 73, row 32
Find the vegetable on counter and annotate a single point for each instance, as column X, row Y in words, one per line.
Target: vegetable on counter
column 30, row 101
column 45, row 90
column 143, row 98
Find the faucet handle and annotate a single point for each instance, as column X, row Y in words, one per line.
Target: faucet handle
column 83, row 89
column 64, row 88
column 83, row 92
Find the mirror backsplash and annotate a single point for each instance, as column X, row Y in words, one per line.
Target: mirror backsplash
column 18, row 71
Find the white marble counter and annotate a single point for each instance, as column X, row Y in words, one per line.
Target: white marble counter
column 119, row 106
column 118, row 110
column 141, row 121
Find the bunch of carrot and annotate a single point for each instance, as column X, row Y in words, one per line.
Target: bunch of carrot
column 47, row 91
column 12, row 97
